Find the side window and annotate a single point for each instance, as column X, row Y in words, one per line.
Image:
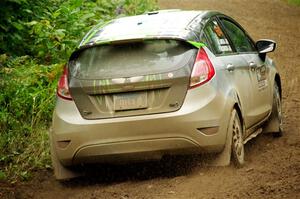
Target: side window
column 205, row 41
column 240, row 40
column 216, row 38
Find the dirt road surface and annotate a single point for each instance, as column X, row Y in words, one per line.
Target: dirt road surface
column 272, row 165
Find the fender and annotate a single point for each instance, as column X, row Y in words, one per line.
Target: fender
column 233, row 102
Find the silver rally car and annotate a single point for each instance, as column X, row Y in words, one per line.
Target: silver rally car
column 164, row 83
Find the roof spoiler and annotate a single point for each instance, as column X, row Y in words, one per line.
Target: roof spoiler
column 162, row 11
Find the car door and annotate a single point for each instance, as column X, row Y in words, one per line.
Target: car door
column 233, row 68
column 259, row 85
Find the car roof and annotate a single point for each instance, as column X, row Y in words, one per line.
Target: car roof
column 160, row 24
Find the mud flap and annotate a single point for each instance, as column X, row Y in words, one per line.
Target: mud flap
column 223, row 158
column 272, row 125
column 60, row 172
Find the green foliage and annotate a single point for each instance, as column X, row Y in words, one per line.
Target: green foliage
column 14, row 36
column 36, row 38
column 26, row 101
column 50, row 30
column 295, row 2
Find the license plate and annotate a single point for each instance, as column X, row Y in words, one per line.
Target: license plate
column 130, row 101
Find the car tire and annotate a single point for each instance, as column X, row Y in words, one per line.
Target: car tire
column 277, row 111
column 237, row 145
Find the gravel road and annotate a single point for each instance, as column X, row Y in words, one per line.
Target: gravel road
column 272, row 164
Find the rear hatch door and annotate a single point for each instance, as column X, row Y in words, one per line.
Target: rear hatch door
column 131, row 78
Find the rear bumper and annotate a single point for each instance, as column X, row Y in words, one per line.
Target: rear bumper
column 134, row 150
column 199, row 126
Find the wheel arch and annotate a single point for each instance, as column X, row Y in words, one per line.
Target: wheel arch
column 237, row 105
column 239, row 112
column 277, row 80
column 233, row 103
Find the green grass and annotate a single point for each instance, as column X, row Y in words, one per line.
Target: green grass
column 294, row 2
column 27, row 100
column 35, row 155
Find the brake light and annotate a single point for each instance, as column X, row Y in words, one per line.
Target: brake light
column 63, row 87
column 203, row 70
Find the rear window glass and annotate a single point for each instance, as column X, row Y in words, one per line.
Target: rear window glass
column 131, row 59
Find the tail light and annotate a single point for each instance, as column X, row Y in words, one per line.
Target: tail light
column 63, row 87
column 203, row 70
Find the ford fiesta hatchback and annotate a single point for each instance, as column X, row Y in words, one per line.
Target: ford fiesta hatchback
column 164, row 83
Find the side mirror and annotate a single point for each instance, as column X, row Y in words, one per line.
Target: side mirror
column 265, row 46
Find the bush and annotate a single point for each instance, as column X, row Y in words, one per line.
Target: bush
column 36, row 40
column 50, row 30
column 26, row 101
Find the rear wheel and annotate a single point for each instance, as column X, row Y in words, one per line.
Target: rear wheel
column 234, row 144
column 237, row 146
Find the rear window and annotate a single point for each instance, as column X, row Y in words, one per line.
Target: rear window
column 131, row 59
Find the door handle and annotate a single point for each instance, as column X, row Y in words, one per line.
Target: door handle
column 230, row 67
column 252, row 66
